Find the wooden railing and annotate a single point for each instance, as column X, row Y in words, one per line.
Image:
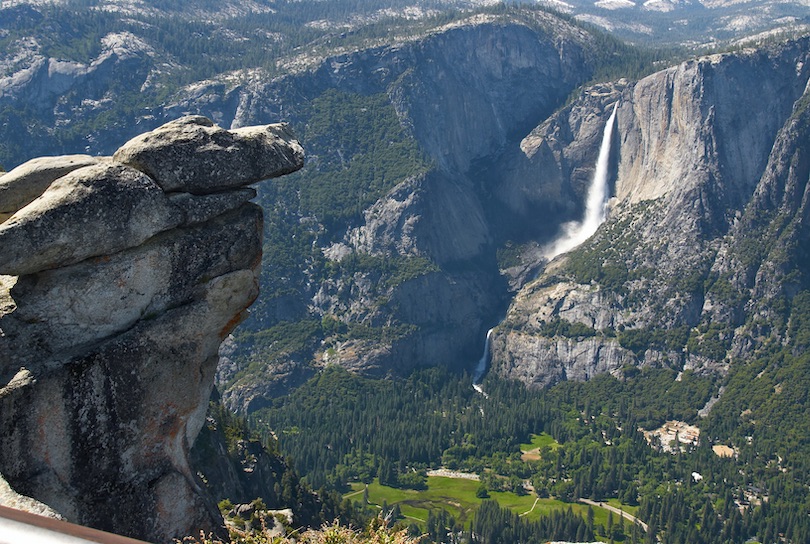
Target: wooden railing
column 18, row 527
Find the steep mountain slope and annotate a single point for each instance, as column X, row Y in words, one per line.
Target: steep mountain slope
column 420, row 208
column 703, row 219
column 408, row 276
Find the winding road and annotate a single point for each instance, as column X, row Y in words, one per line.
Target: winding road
column 622, row 513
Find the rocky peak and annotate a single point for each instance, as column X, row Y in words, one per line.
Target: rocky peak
column 120, row 278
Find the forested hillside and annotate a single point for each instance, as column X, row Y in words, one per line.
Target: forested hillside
column 401, row 428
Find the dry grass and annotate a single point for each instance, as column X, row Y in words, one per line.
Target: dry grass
column 335, row 533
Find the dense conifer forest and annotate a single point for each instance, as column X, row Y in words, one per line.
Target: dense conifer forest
column 340, row 428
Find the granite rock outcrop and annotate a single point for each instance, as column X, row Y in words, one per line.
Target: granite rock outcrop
column 120, row 279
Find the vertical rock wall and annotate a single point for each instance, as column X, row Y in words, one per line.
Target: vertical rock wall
column 691, row 154
column 121, row 277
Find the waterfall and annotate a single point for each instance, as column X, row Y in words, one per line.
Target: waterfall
column 575, row 232
column 481, row 367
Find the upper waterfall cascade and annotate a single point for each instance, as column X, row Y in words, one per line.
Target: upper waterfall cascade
column 576, row 232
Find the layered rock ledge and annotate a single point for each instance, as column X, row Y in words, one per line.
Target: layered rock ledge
column 119, row 278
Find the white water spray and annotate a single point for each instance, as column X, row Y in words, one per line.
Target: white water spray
column 481, row 367
column 576, row 232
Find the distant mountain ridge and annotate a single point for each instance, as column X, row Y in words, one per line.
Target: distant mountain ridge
column 687, row 21
column 666, row 22
column 82, row 74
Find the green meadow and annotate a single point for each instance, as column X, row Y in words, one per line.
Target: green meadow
column 458, row 498
column 539, row 441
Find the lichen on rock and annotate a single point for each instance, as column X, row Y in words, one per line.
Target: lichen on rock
column 118, row 283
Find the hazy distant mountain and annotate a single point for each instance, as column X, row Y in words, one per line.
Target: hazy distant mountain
column 688, row 21
column 670, row 22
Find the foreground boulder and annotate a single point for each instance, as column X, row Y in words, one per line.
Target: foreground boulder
column 93, row 211
column 206, row 158
column 26, row 182
column 114, row 298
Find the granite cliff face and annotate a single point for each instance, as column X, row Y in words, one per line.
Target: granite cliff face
column 671, row 278
column 463, row 92
column 691, row 144
column 121, row 277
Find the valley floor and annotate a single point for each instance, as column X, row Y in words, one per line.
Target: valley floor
column 457, row 496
